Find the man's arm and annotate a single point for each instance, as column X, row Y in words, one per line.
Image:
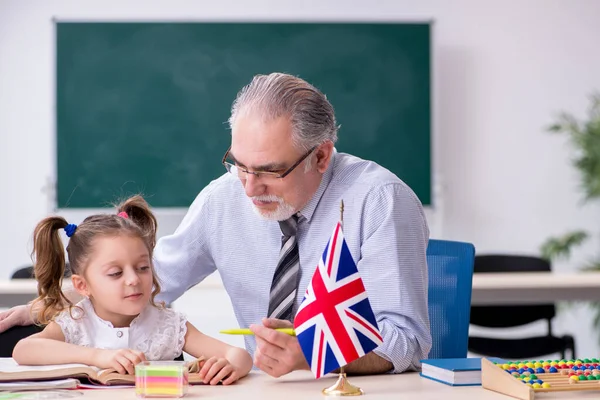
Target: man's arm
column 393, row 267
column 182, row 260
column 367, row 365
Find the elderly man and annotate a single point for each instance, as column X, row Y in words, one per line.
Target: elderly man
column 264, row 224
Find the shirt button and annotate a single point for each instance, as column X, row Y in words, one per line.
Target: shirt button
column 119, row 334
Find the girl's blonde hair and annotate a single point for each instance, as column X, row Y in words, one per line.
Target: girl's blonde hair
column 133, row 218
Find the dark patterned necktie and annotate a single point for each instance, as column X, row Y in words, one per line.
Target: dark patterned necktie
column 285, row 280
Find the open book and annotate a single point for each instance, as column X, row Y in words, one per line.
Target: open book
column 10, row 371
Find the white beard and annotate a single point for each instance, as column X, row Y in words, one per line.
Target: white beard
column 281, row 213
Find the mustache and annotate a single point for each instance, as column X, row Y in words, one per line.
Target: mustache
column 268, row 197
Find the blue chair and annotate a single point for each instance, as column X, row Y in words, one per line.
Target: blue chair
column 450, row 268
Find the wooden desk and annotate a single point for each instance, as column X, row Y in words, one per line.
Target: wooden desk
column 15, row 292
column 534, row 287
column 496, row 288
column 301, row 385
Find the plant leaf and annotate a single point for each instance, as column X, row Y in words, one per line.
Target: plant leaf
column 555, row 128
column 560, row 247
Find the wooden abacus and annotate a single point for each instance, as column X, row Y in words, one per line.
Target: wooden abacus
column 494, row 377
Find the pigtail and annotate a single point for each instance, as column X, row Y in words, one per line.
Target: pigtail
column 49, row 268
column 138, row 211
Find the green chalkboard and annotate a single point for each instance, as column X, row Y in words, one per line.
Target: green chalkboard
column 142, row 107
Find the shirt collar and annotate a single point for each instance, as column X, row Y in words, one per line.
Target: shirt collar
column 309, row 209
column 89, row 308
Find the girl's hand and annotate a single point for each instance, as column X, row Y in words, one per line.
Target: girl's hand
column 123, row 360
column 215, row 370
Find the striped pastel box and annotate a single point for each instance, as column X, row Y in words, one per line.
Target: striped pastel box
column 161, row 379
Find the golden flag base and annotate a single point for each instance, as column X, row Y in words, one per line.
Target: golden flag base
column 343, row 388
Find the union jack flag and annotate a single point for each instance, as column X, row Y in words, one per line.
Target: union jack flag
column 335, row 324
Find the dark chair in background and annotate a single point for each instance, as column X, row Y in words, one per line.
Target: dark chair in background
column 23, row 273
column 27, row 272
column 9, row 338
column 516, row 315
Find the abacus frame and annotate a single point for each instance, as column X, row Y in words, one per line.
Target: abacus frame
column 494, row 378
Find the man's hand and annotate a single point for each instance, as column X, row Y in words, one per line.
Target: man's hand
column 277, row 353
column 16, row 316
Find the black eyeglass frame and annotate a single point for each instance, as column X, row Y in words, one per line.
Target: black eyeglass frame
column 229, row 165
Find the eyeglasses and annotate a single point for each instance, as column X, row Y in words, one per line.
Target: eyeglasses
column 242, row 173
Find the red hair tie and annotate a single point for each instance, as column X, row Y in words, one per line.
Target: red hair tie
column 123, row 214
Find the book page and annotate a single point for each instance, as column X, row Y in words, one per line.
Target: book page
column 43, row 385
column 8, row 364
column 107, row 376
column 103, row 387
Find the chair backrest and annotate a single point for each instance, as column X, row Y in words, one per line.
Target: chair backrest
column 27, row 272
column 23, row 273
column 509, row 316
column 450, row 268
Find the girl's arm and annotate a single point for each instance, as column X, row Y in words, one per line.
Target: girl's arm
column 198, row 344
column 49, row 347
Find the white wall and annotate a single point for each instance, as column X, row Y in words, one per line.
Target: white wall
column 501, row 69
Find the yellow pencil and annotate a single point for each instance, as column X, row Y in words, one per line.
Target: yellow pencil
column 288, row 331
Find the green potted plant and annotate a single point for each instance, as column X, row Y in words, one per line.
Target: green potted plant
column 585, row 139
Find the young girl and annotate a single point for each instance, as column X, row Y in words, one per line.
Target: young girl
column 117, row 324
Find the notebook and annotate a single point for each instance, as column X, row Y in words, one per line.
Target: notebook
column 455, row 371
column 68, row 383
column 10, row 371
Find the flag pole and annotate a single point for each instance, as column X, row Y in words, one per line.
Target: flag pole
column 342, row 387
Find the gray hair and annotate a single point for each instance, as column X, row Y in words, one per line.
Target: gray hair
column 276, row 95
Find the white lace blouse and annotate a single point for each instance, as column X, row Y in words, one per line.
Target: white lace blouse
column 158, row 333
